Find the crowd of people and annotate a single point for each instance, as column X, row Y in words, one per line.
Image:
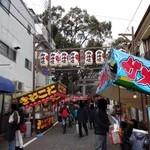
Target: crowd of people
column 86, row 116
column 93, row 116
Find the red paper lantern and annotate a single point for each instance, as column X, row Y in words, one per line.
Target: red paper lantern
column 44, row 59
column 88, row 57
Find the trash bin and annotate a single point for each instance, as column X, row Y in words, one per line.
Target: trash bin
column 28, row 131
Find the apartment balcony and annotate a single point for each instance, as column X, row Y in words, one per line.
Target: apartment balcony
column 41, row 32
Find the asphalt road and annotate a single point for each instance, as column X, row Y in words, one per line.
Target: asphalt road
column 53, row 139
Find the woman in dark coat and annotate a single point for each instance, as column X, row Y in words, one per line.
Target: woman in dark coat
column 11, row 128
column 19, row 139
column 91, row 114
column 82, row 117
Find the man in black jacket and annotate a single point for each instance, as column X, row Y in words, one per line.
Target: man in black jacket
column 82, row 117
column 102, row 125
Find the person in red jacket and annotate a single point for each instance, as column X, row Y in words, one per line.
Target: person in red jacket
column 64, row 114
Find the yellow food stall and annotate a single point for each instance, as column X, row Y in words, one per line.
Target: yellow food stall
column 40, row 103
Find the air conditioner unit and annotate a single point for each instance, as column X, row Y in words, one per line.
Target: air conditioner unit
column 18, row 85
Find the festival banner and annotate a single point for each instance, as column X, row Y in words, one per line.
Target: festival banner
column 132, row 69
column 53, row 92
column 104, row 80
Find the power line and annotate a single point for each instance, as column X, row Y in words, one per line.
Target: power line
column 110, row 17
column 25, row 20
column 114, row 18
column 133, row 15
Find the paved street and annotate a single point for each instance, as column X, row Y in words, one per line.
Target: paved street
column 53, row 139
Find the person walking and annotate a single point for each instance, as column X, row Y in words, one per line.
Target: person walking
column 13, row 120
column 64, row 114
column 91, row 114
column 70, row 119
column 18, row 134
column 82, row 117
column 102, row 124
column 75, row 114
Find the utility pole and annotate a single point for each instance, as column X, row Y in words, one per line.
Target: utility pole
column 49, row 40
column 49, row 25
column 131, row 35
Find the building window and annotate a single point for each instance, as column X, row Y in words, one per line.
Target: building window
column 29, row 30
column 5, row 4
column 7, row 51
column 28, row 64
column 4, row 49
column 12, row 54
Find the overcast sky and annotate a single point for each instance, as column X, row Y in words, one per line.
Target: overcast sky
column 122, row 13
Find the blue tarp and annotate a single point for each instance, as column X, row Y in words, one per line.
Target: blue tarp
column 6, row 85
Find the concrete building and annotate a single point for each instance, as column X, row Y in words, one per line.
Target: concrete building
column 41, row 44
column 16, row 53
column 16, row 42
column 142, row 36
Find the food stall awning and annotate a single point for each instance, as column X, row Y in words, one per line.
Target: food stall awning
column 54, row 92
column 6, row 85
column 122, row 95
column 125, row 70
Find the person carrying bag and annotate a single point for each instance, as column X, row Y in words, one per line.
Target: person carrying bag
column 13, row 122
column 21, row 128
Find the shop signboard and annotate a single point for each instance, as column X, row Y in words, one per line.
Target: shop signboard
column 53, row 92
column 43, row 124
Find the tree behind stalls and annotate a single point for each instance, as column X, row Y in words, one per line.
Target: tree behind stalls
column 76, row 28
column 120, row 42
column 56, row 15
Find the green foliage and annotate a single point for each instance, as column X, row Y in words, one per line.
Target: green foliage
column 76, row 28
column 119, row 42
column 94, row 43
